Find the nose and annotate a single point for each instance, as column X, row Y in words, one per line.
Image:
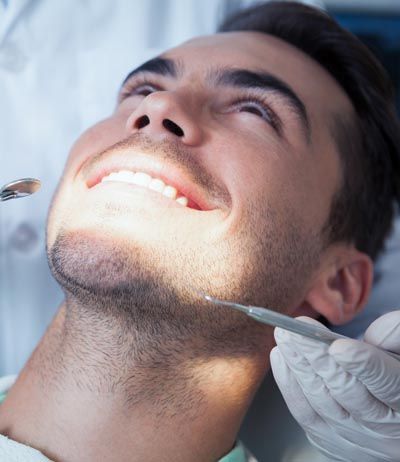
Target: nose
column 164, row 114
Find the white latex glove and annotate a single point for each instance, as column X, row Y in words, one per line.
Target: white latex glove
column 346, row 396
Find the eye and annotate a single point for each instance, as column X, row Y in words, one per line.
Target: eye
column 255, row 107
column 142, row 90
column 138, row 89
column 260, row 109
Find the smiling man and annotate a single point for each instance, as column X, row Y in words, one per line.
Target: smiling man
column 222, row 170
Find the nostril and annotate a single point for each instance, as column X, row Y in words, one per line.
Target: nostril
column 142, row 122
column 172, row 127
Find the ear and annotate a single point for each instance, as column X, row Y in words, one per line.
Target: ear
column 341, row 287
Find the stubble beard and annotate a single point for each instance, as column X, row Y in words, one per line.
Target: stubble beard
column 134, row 324
column 132, row 287
column 148, row 330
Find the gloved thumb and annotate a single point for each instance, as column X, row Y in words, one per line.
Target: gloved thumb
column 384, row 332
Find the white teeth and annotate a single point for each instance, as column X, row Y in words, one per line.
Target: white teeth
column 170, row 192
column 156, row 185
column 182, row 200
column 124, row 176
column 143, row 179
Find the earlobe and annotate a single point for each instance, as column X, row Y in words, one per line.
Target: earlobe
column 342, row 287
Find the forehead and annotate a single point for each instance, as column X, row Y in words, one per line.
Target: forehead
column 262, row 52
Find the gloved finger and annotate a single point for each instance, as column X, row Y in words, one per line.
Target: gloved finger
column 376, row 430
column 333, row 392
column 322, row 435
column 291, row 347
column 384, row 332
column 293, row 395
column 379, row 372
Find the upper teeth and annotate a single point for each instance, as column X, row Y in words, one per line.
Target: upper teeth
column 143, row 179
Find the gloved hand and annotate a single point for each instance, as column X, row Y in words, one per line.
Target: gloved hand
column 346, row 396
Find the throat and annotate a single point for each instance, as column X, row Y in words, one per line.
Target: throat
column 113, row 391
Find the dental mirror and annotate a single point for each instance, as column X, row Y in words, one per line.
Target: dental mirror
column 19, row 188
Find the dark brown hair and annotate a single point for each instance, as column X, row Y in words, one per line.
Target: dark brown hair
column 363, row 208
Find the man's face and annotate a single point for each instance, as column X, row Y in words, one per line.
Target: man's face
column 238, row 124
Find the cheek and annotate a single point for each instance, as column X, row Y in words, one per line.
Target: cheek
column 96, row 139
column 265, row 180
column 276, row 185
column 284, row 180
column 93, row 141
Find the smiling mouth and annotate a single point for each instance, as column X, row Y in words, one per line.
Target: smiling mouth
column 191, row 188
column 144, row 180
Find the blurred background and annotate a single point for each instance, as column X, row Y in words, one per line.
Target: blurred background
column 377, row 24
column 61, row 64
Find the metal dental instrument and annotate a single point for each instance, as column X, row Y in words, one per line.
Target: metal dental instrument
column 272, row 318
column 19, row 188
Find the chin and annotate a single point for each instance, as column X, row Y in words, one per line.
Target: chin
column 92, row 261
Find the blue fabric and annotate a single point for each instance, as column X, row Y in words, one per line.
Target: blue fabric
column 238, row 454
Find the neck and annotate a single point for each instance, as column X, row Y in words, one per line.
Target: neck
column 106, row 393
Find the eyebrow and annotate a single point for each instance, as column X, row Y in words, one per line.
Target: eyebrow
column 160, row 66
column 243, row 78
column 238, row 78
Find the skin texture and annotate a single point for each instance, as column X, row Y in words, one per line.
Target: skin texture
column 135, row 356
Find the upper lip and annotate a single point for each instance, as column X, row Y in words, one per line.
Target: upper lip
column 170, row 174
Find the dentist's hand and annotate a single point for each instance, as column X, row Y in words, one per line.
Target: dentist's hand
column 346, row 396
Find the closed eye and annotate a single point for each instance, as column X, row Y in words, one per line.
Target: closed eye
column 138, row 88
column 260, row 109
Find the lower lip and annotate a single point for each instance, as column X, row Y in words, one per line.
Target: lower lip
column 117, row 187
